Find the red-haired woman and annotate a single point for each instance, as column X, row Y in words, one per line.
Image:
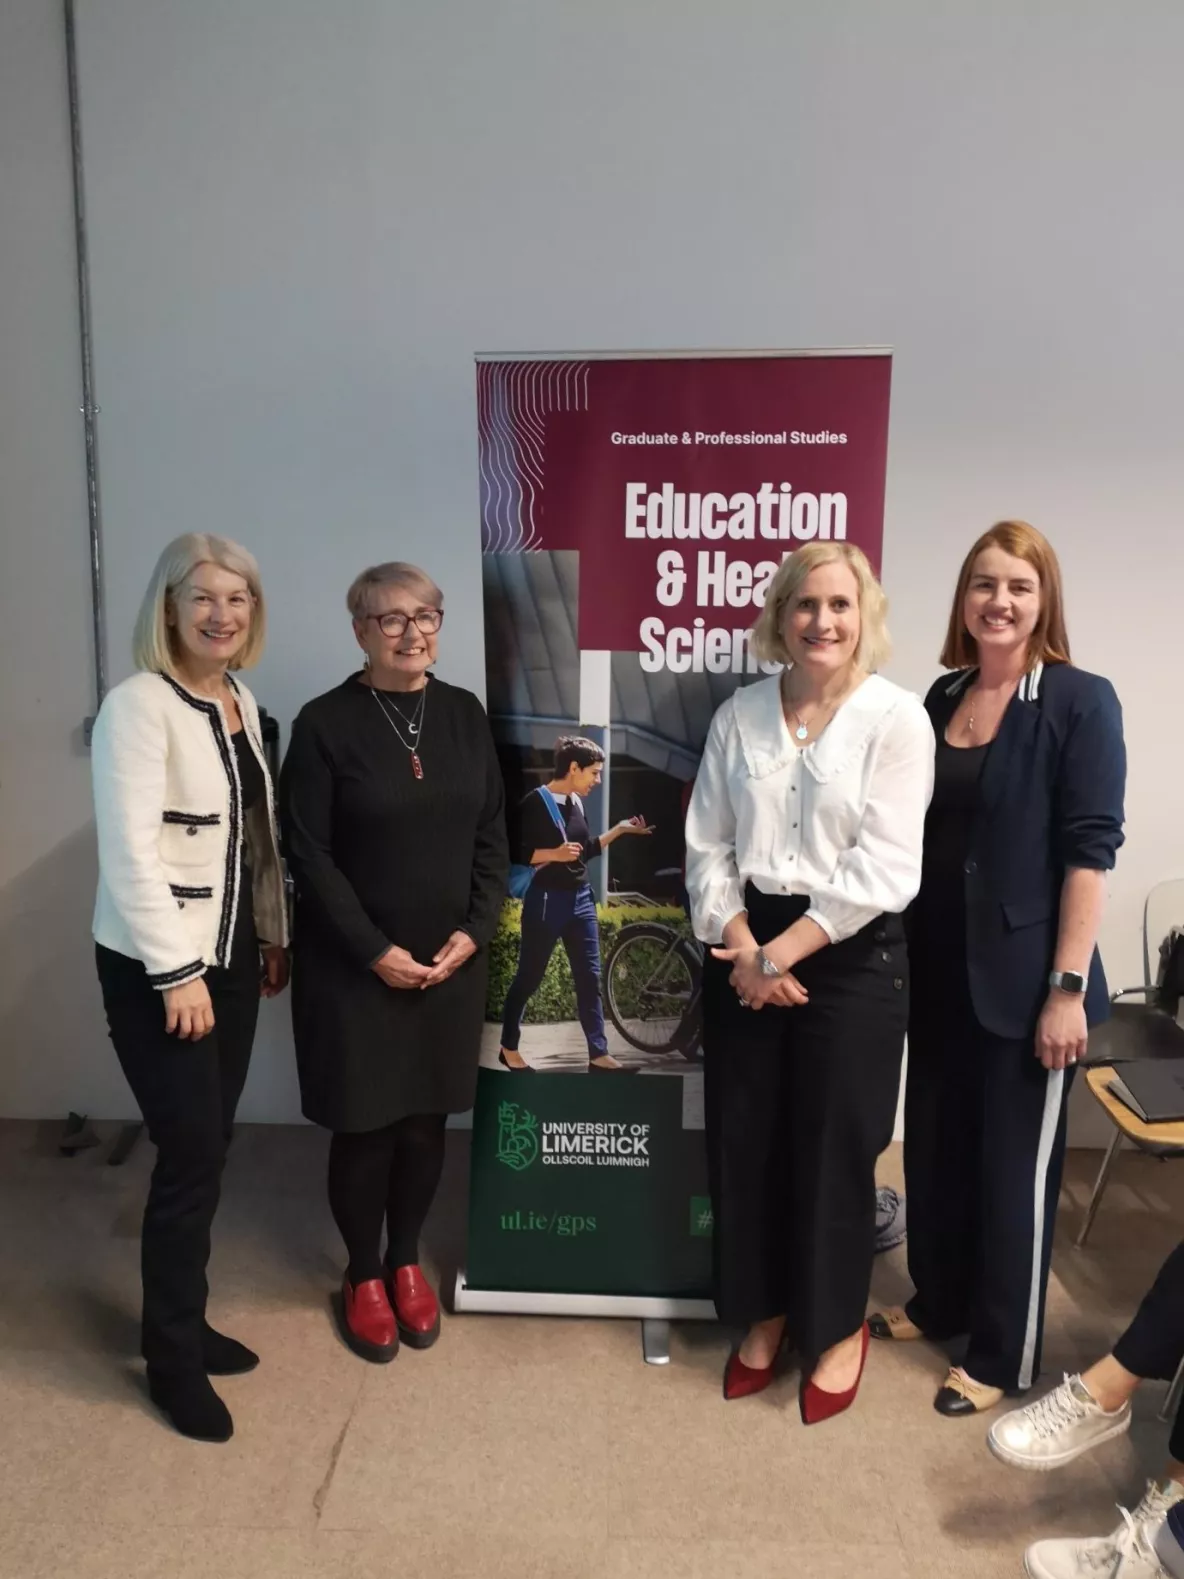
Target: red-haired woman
column 1025, row 822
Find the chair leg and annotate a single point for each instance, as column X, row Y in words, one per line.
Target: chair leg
column 1100, row 1182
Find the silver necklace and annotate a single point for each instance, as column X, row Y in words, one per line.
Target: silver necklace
column 414, row 725
column 802, row 732
column 411, row 724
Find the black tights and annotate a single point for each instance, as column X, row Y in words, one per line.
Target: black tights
column 391, row 1173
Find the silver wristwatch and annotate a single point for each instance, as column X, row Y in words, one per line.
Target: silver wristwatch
column 1067, row 980
column 766, row 964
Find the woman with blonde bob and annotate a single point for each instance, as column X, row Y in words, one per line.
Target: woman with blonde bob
column 190, row 930
column 803, row 849
column 1025, row 823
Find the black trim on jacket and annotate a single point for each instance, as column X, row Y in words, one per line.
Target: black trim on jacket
column 230, row 883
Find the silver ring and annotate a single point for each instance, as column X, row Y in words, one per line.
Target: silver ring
column 744, row 1003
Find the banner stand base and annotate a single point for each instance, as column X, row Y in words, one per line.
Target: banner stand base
column 655, row 1312
column 655, row 1341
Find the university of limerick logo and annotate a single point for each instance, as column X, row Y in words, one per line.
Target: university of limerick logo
column 517, row 1136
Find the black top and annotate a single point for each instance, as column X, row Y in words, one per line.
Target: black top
column 949, row 824
column 381, row 857
column 540, row 832
column 250, row 774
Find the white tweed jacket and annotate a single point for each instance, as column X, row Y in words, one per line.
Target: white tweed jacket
column 168, row 809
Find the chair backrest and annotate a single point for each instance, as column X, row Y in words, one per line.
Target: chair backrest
column 1163, row 910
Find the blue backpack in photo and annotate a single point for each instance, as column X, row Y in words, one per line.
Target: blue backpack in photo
column 522, row 875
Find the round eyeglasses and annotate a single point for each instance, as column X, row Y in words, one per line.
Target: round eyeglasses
column 426, row 621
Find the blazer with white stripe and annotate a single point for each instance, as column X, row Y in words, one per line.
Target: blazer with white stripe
column 1051, row 798
column 168, row 810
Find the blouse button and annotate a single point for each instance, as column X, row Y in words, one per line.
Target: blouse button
column 191, row 831
column 180, row 904
column 879, row 935
column 886, row 957
column 898, row 983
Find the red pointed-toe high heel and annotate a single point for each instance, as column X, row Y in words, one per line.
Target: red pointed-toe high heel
column 818, row 1405
column 741, row 1381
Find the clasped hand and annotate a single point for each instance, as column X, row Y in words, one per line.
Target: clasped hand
column 397, row 968
column 753, row 987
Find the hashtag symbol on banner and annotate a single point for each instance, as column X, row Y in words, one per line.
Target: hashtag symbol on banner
column 705, row 1219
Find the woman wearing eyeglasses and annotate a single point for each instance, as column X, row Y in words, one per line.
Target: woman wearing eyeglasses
column 392, row 813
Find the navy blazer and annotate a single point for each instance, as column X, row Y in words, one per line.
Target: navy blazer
column 1051, row 798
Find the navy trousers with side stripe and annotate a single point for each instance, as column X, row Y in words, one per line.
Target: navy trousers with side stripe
column 984, row 1147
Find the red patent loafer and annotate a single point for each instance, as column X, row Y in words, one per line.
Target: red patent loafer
column 367, row 1320
column 417, row 1310
column 817, row 1404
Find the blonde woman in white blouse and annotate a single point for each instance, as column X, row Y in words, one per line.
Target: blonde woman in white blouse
column 803, row 850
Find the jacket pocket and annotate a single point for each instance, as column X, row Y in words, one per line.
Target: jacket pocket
column 183, row 891
column 190, row 838
column 1027, row 912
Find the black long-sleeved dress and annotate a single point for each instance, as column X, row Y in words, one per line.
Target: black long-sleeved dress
column 382, row 857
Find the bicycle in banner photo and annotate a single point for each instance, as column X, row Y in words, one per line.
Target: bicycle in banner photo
column 653, row 978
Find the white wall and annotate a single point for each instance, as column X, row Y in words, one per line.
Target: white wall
column 54, row 1052
column 305, row 219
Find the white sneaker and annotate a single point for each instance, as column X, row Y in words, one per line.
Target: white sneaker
column 1128, row 1553
column 1056, row 1429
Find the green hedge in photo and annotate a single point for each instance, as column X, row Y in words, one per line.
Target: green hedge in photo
column 556, row 998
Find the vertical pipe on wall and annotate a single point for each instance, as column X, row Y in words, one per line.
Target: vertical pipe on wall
column 88, row 408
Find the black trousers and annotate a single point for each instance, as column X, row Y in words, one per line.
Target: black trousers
column 984, row 1147
column 188, row 1093
column 1153, row 1345
column 799, row 1105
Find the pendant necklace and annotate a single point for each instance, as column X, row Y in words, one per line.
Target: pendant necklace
column 802, row 732
column 413, row 725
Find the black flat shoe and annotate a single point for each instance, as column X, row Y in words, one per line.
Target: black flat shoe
column 191, row 1405
column 513, row 1068
column 223, row 1356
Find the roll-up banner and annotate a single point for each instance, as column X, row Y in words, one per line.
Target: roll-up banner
column 634, row 508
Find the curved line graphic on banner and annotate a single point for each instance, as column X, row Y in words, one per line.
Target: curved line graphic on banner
column 513, row 400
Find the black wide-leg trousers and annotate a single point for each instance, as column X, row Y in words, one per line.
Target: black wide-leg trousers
column 800, row 1102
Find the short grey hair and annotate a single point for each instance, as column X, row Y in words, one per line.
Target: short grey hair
column 395, row 573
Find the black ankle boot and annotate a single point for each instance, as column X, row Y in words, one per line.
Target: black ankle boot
column 191, row 1405
column 223, row 1356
